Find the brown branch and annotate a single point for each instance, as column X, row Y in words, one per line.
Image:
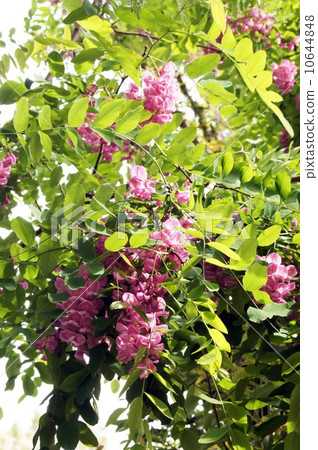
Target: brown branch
column 98, row 159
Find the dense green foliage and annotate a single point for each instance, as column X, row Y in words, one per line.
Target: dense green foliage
column 228, row 373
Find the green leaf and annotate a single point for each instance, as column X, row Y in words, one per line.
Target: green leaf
column 218, row 14
column 90, row 54
column 35, row 148
column 46, row 144
column 24, row 230
column 134, row 375
column 95, row 23
column 262, row 297
column 202, row 65
column 75, row 196
column 130, row 121
column 76, row 115
column 116, row 241
column 44, row 118
column 81, row 13
column 139, row 238
column 56, row 64
column 115, row 385
column 256, row 63
column 147, row 133
column 213, row 320
column 247, row 253
column 108, row 113
column 207, row 359
column 224, row 249
column 237, row 413
column 244, row 50
column 227, row 163
column 265, row 97
column 114, row 416
column 102, row 195
column 163, row 381
column 21, row 117
column 256, row 315
column 135, row 416
column 293, row 361
column 213, row 435
column 228, row 41
column 228, row 110
column 68, row 435
column 255, row 277
column 211, row 400
column 72, row 381
column 277, row 309
column 255, row 404
column 219, row 340
column 11, row 91
column 28, row 385
column 163, row 408
column 269, row 236
column 292, row 441
column 264, row 79
column 87, row 437
column 189, row 440
column 240, row 440
column 283, row 184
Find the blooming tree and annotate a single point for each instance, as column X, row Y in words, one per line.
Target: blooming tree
column 158, row 159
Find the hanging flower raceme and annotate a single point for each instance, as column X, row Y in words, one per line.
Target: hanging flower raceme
column 279, row 284
column 140, row 322
column 290, row 45
column 284, row 75
column 140, row 186
column 95, row 141
column 256, row 20
column 160, row 93
column 173, row 241
column 5, row 168
column 183, row 196
column 76, row 326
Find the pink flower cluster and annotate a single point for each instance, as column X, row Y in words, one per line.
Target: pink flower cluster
column 279, row 284
column 284, row 75
column 139, row 289
column 160, row 94
column 218, row 275
column 184, row 195
column 5, row 168
column 140, row 186
column 94, row 140
column 97, row 143
column 291, row 45
column 76, row 326
column 256, row 21
column 173, row 240
column 138, row 279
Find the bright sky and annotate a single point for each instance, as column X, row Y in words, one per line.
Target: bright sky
column 12, row 15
